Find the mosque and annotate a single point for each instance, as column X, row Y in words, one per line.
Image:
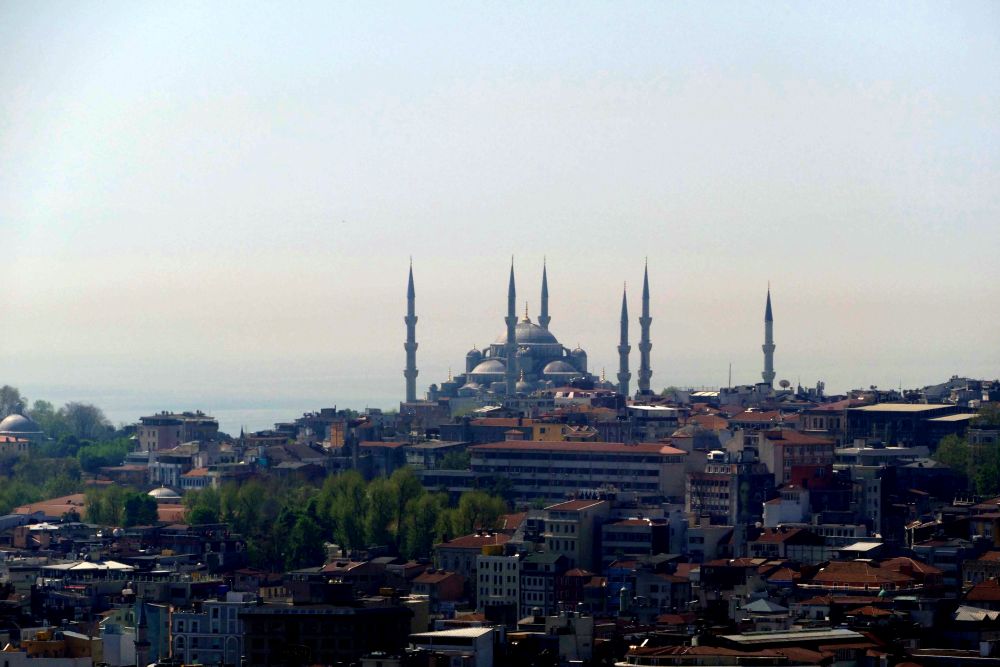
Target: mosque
column 525, row 357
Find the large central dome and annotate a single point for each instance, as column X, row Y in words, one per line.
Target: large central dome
column 528, row 333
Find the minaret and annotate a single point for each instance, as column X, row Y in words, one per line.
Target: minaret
column 645, row 372
column 141, row 634
column 410, row 373
column 543, row 316
column 623, row 349
column 511, row 320
column 768, row 345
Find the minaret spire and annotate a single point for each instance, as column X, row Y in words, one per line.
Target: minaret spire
column 645, row 372
column 511, row 347
column 543, row 315
column 410, row 373
column 624, row 375
column 768, row 345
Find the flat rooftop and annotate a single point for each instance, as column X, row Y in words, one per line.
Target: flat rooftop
column 960, row 417
column 901, row 407
column 794, row 636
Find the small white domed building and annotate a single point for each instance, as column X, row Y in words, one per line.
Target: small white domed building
column 165, row 496
column 19, row 426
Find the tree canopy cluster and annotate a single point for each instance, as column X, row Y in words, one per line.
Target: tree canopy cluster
column 287, row 523
column 979, row 466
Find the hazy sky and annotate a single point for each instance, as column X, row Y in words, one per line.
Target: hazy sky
column 212, row 204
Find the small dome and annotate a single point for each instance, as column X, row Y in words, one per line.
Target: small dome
column 558, row 367
column 470, row 389
column 163, row 493
column 18, row 424
column 489, row 366
column 523, row 387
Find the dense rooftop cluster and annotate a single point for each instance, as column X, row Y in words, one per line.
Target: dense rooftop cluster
column 693, row 528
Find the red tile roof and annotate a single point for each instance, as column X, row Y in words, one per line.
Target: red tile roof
column 784, row 574
column 434, row 577
column 987, row 591
column 574, row 505
column 838, row 406
column 502, row 421
column 170, row 513
column 474, row 541
column 56, row 506
column 711, row 422
column 857, row 573
column 910, row 566
column 676, row 619
column 383, row 444
column 756, row 417
column 777, row 535
column 792, row 437
column 511, row 522
column 578, row 572
column 869, row 611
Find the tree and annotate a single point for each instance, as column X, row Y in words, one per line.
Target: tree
column 85, row 421
column 382, row 498
column 139, row 509
column 203, row 506
column 48, row 419
column 200, row 516
column 305, row 543
column 988, row 417
column 348, row 509
column 986, row 472
column 106, row 506
column 476, row 510
column 421, row 524
column 93, row 457
column 407, row 489
column 954, row 453
column 456, row 461
column 11, row 400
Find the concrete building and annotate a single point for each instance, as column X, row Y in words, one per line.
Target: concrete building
column 539, row 575
column 551, row 470
column 573, row 529
column 467, row 647
column 907, row 424
column 166, row 430
column 780, row 449
column 634, row 537
column 212, row 634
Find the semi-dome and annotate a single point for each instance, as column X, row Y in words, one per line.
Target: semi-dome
column 558, row 367
column 18, row 424
column 489, row 366
column 528, row 333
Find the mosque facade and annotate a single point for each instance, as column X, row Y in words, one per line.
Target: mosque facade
column 523, row 358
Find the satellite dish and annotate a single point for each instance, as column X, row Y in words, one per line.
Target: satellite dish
column 785, row 384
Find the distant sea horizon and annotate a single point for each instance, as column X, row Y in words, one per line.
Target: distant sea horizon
column 233, row 413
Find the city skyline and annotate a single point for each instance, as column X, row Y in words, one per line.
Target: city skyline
column 204, row 208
